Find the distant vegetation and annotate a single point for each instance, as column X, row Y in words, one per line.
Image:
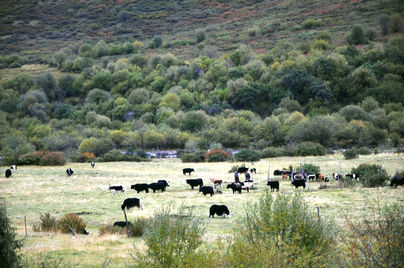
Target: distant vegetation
column 330, row 88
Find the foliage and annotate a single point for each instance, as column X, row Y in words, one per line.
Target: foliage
column 371, row 175
column 216, row 156
column 309, row 169
column 247, row 155
column 271, row 152
column 351, row 154
column 9, row 244
column 171, row 240
column 273, row 228
column 74, row 221
column 193, row 157
column 110, row 229
column 310, row 148
column 47, row 223
column 43, row 158
column 378, row 241
column 384, row 23
column 357, row 36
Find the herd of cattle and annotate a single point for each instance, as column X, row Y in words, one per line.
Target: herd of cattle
column 298, row 180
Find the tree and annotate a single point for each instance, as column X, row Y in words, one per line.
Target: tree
column 200, row 36
column 8, row 241
column 384, row 21
column 397, row 24
column 356, row 37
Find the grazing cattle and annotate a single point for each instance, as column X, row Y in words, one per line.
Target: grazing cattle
column 92, row 164
column 299, row 177
column 236, row 187
column 253, row 170
column 336, row 176
column 69, row 172
column 8, row 173
column 396, row 181
column 219, row 210
column 311, row 177
column 274, row 185
column 121, row 224
column 159, row 185
column 195, row 182
column 298, row 183
column 13, row 167
column 242, row 169
column 140, row 187
column 216, row 182
column 206, row 190
column 132, row 202
column 117, row 188
column 187, row 170
column 278, row 172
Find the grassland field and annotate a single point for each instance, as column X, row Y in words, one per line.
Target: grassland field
column 33, row 190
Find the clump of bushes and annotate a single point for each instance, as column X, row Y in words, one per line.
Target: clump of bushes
column 216, row 156
column 371, row 175
column 350, row 154
column 43, row 158
column 272, row 152
column 310, row 148
column 193, row 157
column 364, row 151
column 8, row 241
column 247, row 155
column 49, row 223
column 309, row 168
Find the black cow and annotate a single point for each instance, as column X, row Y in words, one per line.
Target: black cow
column 132, row 202
column 236, row 187
column 195, row 182
column 298, row 183
column 92, row 164
column 274, row 185
column 69, row 172
column 8, row 173
column 160, row 185
column 219, row 210
column 206, row 190
column 349, row 175
column 397, row 181
column 242, row 169
column 121, row 224
column 140, row 187
column 277, row 172
column 253, row 170
column 117, row 188
column 187, row 170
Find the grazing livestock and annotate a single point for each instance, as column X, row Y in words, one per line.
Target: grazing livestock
column 69, row 172
column 298, row 183
column 195, row 182
column 396, row 181
column 13, row 167
column 216, row 182
column 132, row 202
column 253, row 170
column 117, row 188
column 336, row 176
column 236, row 187
column 8, row 173
column 311, row 177
column 140, row 187
column 92, row 164
column 278, row 172
column 187, row 170
column 349, row 175
column 206, row 190
column 242, row 169
column 121, row 224
column 219, row 210
column 274, row 185
column 160, row 185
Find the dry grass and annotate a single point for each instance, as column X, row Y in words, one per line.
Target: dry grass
column 33, row 190
column 31, row 69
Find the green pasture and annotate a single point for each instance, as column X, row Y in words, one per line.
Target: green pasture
column 33, row 190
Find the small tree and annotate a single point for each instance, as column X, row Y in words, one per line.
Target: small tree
column 357, row 36
column 397, row 24
column 8, row 242
column 384, row 23
column 200, row 36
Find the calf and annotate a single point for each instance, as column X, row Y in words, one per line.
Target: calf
column 92, row 164
column 140, row 187
column 298, row 183
column 236, row 187
column 132, row 202
column 69, row 172
column 219, row 210
column 253, row 170
column 216, row 183
column 121, row 224
column 206, row 190
column 195, row 182
column 8, row 173
column 242, row 169
column 187, row 170
column 117, row 188
column 13, row 167
column 349, row 175
column 396, row 181
column 160, row 185
column 311, row 177
column 274, row 185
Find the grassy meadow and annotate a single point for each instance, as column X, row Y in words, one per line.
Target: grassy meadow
column 33, row 190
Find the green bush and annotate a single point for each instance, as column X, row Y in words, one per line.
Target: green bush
column 364, row 151
column 171, row 240
column 138, row 227
column 114, row 155
column 282, row 232
column 371, row 175
column 8, row 241
column 43, row 158
column 312, row 23
column 247, row 155
column 272, row 152
column 350, row 154
column 47, row 223
column 193, row 157
column 216, row 156
column 310, row 148
column 309, row 168
column 357, row 36
column 74, row 221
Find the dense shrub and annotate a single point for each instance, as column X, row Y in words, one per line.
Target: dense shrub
column 309, row 168
column 47, row 223
column 171, row 240
column 310, row 148
column 364, row 151
column 274, row 229
column 378, row 241
column 193, row 157
column 272, row 152
column 8, row 241
column 371, row 175
column 357, row 36
column 74, row 221
column 138, row 227
column 43, row 158
column 216, row 156
column 350, row 154
column 247, row 155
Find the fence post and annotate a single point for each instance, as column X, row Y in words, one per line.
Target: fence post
column 318, row 212
column 25, row 223
column 127, row 224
